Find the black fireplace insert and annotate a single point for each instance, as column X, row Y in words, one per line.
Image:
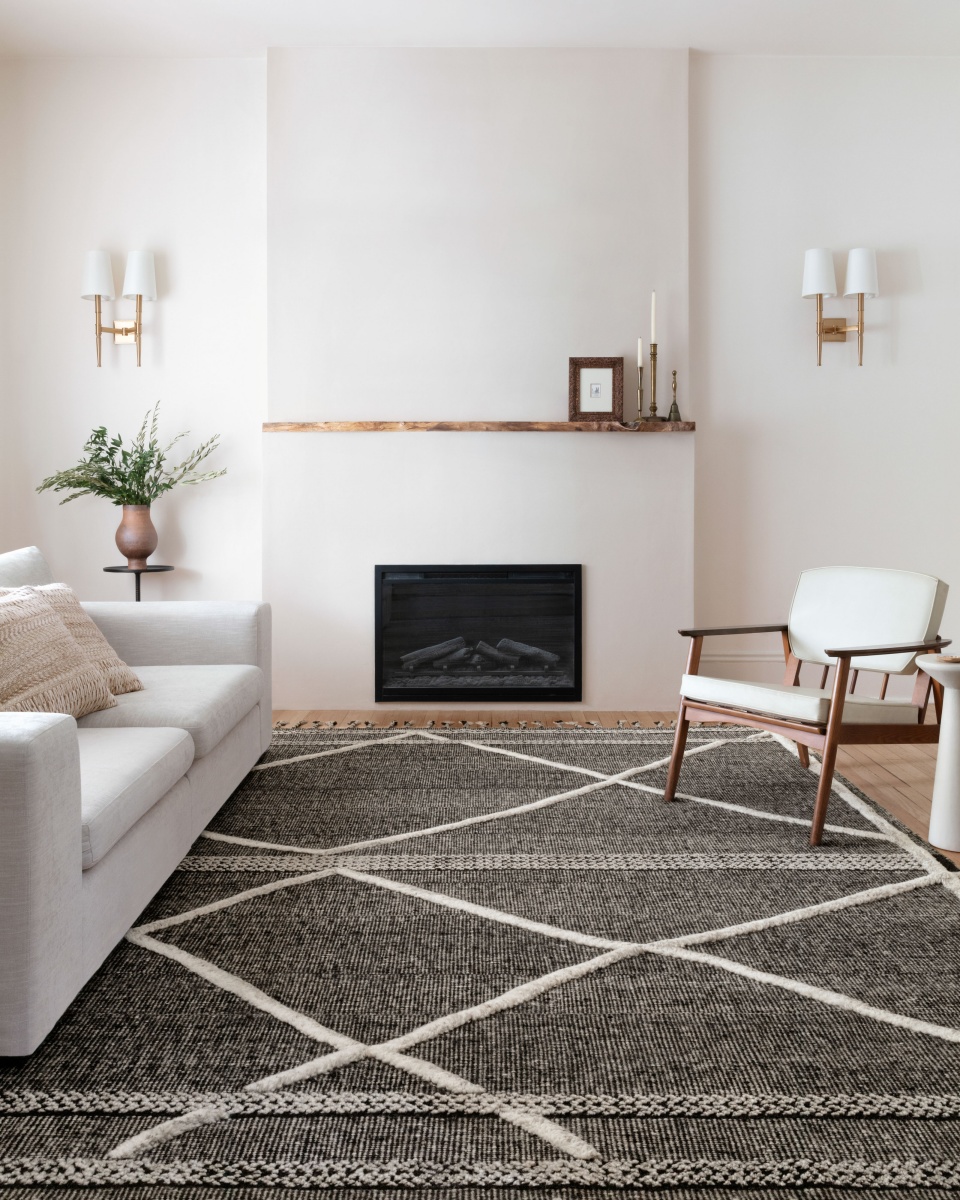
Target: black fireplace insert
column 479, row 633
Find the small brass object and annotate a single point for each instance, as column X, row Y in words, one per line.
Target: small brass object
column 674, row 408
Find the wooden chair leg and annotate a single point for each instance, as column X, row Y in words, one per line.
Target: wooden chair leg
column 676, row 758
column 823, row 794
column 803, row 754
column 828, row 759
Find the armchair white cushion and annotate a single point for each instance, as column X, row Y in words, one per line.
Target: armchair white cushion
column 793, row 703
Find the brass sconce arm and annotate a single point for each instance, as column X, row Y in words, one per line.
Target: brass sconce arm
column 123, row 331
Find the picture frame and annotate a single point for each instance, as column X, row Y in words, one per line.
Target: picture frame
column 596, row 389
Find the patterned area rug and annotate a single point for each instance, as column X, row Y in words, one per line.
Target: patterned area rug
column 480, row 964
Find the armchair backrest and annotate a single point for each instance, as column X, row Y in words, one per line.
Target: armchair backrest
column 24, row 568
column 835, row 607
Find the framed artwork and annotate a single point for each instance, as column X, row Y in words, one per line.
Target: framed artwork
column 596, row 389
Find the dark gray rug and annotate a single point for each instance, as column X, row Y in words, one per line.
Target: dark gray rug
column 488, row 963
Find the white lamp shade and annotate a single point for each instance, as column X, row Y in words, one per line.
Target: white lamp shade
column 140, row 278
column 819, row 277
column 97, row 276
column 861, row 273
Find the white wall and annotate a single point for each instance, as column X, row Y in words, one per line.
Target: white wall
column 167, row 155
column 799, row 466
column 446, row 228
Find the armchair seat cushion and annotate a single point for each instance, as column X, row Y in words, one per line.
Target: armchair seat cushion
column 790, row 703
column 123, row 773
column 206, row 701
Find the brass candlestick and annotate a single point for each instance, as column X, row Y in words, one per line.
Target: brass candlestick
column 639, row 391
column 653, row 383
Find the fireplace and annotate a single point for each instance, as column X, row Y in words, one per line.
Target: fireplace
column 478, row 633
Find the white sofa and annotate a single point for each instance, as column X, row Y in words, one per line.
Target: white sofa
column 95, row 814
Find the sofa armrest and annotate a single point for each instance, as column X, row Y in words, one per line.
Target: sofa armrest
column 40, row 876
column 191, row 632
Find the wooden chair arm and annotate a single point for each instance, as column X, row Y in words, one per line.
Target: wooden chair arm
column 733, row 629
column 904, row 648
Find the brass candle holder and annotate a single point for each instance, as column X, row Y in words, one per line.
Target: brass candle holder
column 653, row 383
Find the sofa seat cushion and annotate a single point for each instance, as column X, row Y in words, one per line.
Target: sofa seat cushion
column 123, row 773
column 206, row 701
column 791, row 703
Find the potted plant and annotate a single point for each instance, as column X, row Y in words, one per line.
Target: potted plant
column 132, row 477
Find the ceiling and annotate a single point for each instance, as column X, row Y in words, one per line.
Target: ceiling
column 249, row 27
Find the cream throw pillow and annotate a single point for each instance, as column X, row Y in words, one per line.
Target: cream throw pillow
column 42, row 669
column 93, row 645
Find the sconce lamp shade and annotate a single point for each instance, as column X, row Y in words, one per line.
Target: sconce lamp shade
column 97, row 276
column 819, row 277
column 861, row 273
column 140, row 278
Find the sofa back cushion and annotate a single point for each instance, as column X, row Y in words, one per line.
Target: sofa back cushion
column 21, row 568
column 42, row 669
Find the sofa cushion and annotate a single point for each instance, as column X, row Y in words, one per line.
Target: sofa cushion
column 93, row 645
column 24, row 568
column 123, row 773
column 794, row 703
column 206, row 701
column 42, row 669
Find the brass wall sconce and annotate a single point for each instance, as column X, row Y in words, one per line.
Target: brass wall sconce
column 820, row 280
column 139, row 283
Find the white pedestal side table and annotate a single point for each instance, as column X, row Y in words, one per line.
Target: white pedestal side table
column 945, row 812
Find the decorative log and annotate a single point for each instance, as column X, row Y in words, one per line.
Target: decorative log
column 458, row 656
column 497, row 656
column 431, row 653
column 506, row 646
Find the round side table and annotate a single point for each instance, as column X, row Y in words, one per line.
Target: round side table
column 945, row 812
column 137, row 571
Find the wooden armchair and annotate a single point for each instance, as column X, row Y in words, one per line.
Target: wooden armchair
column 857, row 619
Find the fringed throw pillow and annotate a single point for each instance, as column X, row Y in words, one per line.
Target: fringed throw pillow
column 42, row 669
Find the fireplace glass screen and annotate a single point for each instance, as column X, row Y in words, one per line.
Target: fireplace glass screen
column 478, row 633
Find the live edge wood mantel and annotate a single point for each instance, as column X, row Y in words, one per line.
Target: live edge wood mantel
column 476, row 427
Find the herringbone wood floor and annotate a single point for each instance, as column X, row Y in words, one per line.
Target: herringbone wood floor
column 899, row 778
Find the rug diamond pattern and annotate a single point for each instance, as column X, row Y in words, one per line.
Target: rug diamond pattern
column 477, row 925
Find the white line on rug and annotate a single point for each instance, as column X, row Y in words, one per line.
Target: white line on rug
column 228, row 902
column 285, row 762
column 811, row 992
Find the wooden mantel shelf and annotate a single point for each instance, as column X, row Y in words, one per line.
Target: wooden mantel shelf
column 476, row 427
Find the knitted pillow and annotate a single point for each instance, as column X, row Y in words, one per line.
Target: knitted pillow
column 93, row 645
column 42, row 669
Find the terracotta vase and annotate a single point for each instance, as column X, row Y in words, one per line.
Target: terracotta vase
column 136, row 535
